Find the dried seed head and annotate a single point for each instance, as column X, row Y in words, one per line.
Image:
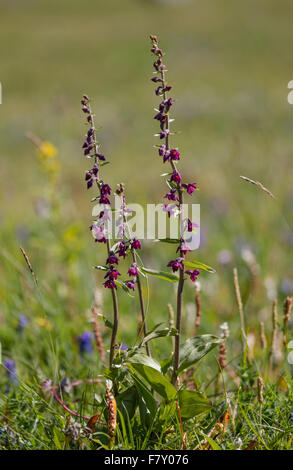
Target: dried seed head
column 260, row 387
column 112, row 410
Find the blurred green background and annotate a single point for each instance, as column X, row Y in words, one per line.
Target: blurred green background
column 229, row 64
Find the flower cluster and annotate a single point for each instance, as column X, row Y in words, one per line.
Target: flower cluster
column 90, row 145
column 112, row 274
column 100, row 227
column 133, row 273
column 171, row 155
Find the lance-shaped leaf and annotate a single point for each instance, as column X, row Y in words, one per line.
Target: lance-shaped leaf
column 150, row 371
column 160, row 274
column 199, row 265
column 192, row 403
column 147, row 404
column 196, row 348
column 156, row 333
column 141, row 358
column 127, row 402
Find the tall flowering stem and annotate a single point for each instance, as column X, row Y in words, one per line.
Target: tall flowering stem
column 175, row 184
column 99, row 228
column 134, row 245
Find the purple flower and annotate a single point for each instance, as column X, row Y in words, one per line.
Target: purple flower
column 164, row 134
column 130, row 285
column 112, row 259
column 85, row 342
column 193, row 274
column 100, row 157
column 122, row 250
column 112, row 273
column 88, row 150
column 132, row 271
column 170, row 209
column 168, row 103
column 159, row 90
column 162, row 150
column 135, row 244
column 105, row 189
column 110, row 284
column 183, row 248
column 172, row 195
column 176, row 177
column 174, row 154
column 22, row 322
column 104, row 199
column 175, row 264
column 10, row 366
column 98, row 233
column 157, row 64
column 91, row 176
column 156, row 79
column 191, row 225
column 190, row 187
column 122, row 347
column 167, row 156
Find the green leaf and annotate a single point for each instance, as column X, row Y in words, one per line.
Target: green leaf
column 127, row 402
column 212, row 443
column 146, row 403
column 57, row 435
column 192, row 403
column 196, row 348
column 141, row 363
column 198, row 265
column 156, row 333
column 107, row 322
column 166, row 364
column 160, row 274
column 123, row 286
column 141, row 358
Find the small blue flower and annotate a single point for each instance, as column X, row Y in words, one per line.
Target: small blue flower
column 10, row 366
column 85, row 342
column 122, row 347
column 22, row 322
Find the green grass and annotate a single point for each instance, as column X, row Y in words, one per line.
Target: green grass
column 229, row 67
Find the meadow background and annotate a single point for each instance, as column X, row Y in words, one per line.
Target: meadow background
column 229, row 64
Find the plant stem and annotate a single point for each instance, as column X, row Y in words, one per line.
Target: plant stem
column 142, row 306
column 176, row 359
column 114, row 293
column 115, row 316
column 179, row 309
